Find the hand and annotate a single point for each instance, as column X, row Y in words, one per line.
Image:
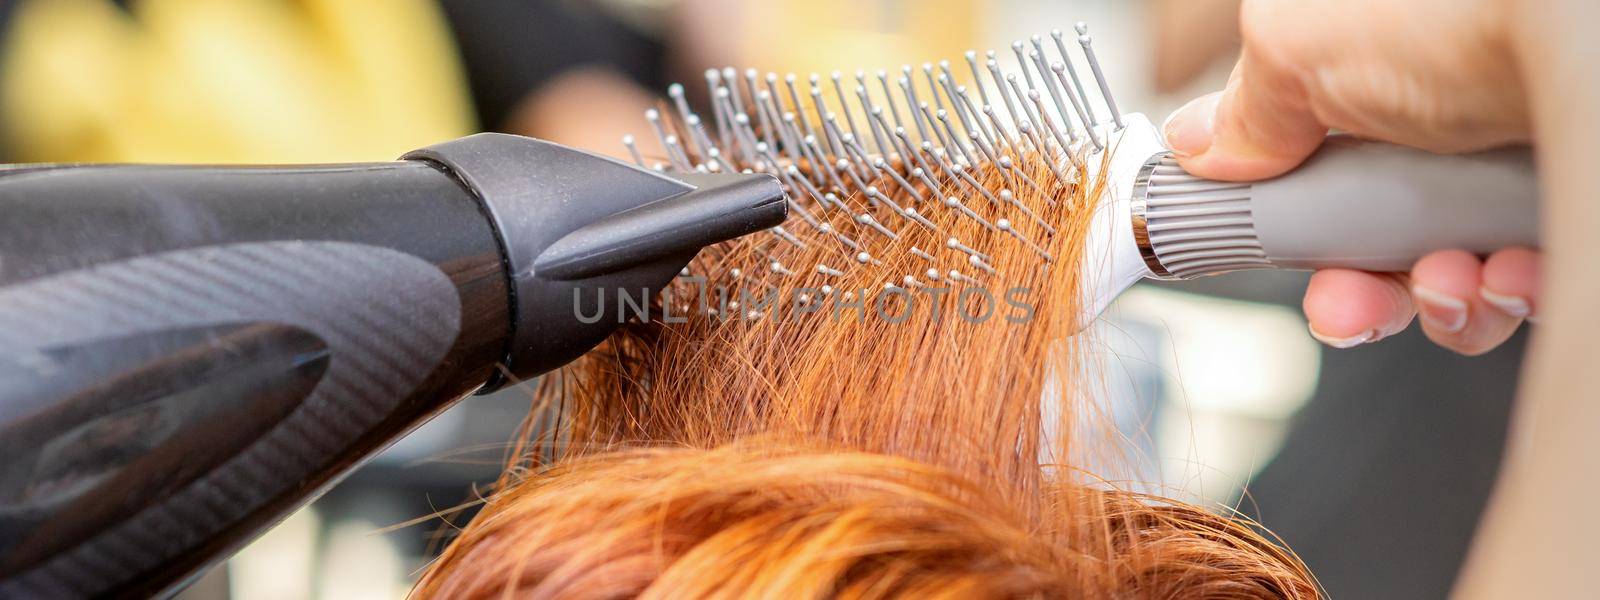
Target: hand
column 1434, row 74
column 1452, row 75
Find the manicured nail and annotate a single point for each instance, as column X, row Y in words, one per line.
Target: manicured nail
column 1440, row 310
column 1369, row 335
column 1188, row 129
column 1515, row 306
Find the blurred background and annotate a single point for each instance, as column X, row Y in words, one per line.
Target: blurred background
column 1373, row 464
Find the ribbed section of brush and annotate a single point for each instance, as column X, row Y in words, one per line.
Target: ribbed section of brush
column 1198, row 226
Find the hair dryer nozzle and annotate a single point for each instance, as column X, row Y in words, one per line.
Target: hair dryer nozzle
column 722, row 207
column 581, row 231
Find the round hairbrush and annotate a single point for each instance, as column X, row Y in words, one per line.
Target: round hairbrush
column 889, row 151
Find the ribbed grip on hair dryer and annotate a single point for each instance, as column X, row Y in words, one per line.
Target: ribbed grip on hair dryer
column 1355, row 204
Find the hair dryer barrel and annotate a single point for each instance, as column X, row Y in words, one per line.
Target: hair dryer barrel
column 190, row 353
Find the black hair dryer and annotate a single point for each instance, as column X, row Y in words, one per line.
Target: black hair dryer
column 187, row 354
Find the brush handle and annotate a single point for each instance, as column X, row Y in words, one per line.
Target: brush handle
column 1355, row 204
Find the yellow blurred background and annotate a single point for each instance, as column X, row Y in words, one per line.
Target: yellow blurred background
column 230, row 80
column 272, row 81
column 822, row 36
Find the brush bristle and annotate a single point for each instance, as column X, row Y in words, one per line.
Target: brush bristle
column 866, row 170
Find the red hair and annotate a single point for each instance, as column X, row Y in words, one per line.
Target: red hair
column 777, row 452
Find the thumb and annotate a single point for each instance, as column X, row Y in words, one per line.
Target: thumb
column 1260, row 126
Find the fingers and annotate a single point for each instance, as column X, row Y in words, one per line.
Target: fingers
column 1349, row 308
column 1353, row 65
column 1464, row 304
column 1447, row 287
column 1511, row 282
column 1259, row 127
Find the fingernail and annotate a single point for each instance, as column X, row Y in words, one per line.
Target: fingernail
column 1515, row 306
column 1188, row 129
column 1346, row 342
column 1440, row 310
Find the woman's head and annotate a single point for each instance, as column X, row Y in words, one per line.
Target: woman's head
column 767, row 518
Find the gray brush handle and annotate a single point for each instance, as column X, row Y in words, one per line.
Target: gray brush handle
column 1355, row 204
